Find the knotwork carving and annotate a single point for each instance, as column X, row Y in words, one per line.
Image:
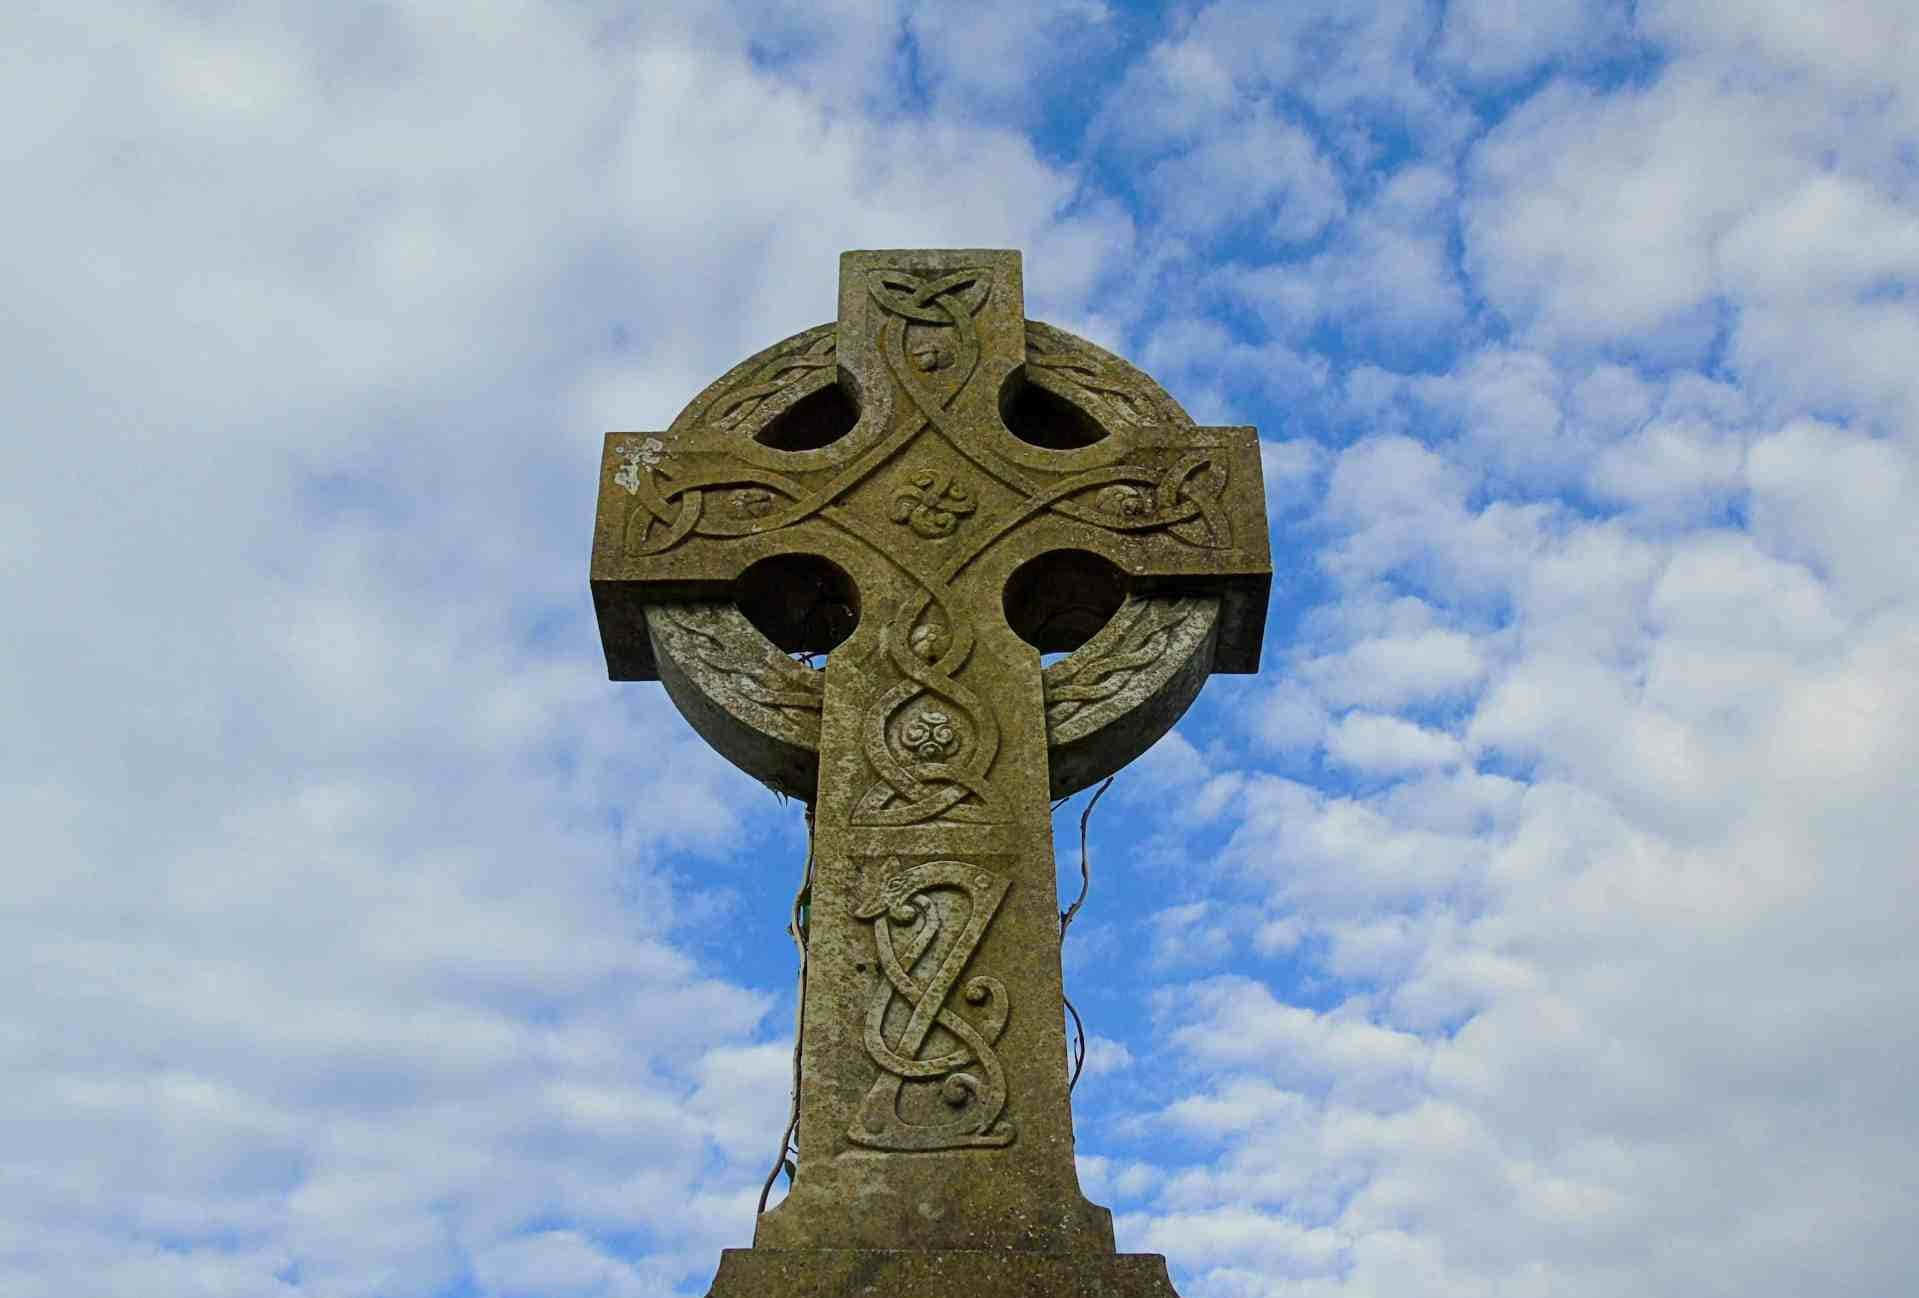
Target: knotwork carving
column 930, row 739
column 938, row 500
column 932, row 348
column 774, row 681
column 749, row 700
column 930, row 339
column 1113, row 392
column 672, row 501
column 669, row 504
column 1183, row 500
column 761, row 387
column 1111, row 698
column 1146, row 640
column 952, row 1097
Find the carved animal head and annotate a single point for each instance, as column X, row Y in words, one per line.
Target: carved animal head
column 890, row 896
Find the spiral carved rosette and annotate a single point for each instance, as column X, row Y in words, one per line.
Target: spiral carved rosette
column 941, row 1086
column 933, row 507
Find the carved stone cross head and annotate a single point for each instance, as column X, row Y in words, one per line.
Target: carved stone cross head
column 934, row 491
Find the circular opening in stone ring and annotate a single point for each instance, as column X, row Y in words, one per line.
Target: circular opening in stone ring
column 801, row 602
column 1059, row 600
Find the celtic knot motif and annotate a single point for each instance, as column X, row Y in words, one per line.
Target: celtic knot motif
column 930, row 340
column 953, row 1096
column 670, row 506
column 930, row 739
column 773, row 681
column 1184, row 501
column 1113, row 391
column 807, row 353
column 1108, row 669
column 932, row 507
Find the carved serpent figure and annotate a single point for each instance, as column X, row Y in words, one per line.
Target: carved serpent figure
column 970, row 1079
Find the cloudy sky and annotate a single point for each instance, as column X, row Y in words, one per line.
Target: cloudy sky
column 1540, row 922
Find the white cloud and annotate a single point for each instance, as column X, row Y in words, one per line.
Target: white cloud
column 1264, row 172
column 1234, row 1021
column 1385, row 745
column 1861, row 50
column 1678, row 468
column 1193, row 932
column 1508, row 404
column 1242, row 1241
column 1105, row 1179
column 1198, row 358
column 1105, row 1055
column 1342, row 853
column 1595, row 217
column 1411, row 666
column 1290, row 469
column 1387, row 274
column 1500, row 41
column 1719, row 198
column 1171, row 763
column 1722, row 589
column 1403, row 512
column 1676, row 928
column 559, row 1262
column 1842, row 502
column 1288, row 717
column 1003, row 57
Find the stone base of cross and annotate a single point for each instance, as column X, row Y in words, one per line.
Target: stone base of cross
column 933, row 492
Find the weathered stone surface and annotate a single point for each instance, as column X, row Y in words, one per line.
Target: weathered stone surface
column 899, row 1273
column 935, row 490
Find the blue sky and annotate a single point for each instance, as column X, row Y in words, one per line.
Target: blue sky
column 1539, row 922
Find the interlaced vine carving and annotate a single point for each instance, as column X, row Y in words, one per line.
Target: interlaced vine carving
column 1107, row 387
column 930, row 338
column 942, row 909
column 1183, row 500
column 772, row 680
column 803, row 355
column 929, row 739
column 1122, row 661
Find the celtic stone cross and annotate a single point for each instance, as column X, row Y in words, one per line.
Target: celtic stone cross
column 934, row 491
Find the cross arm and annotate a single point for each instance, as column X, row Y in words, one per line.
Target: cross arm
column 677, row 527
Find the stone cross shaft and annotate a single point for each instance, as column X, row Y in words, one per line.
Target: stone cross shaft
column 936, row 490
